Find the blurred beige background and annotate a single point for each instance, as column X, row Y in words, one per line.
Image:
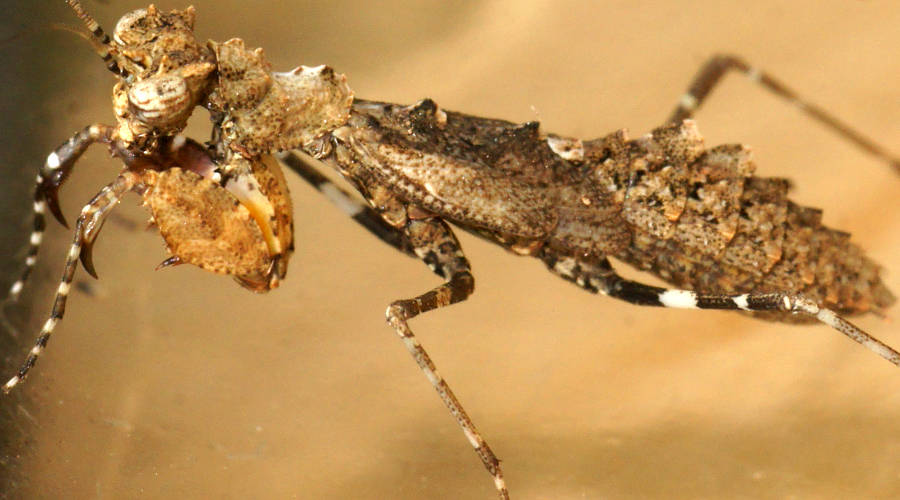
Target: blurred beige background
column 180, row 384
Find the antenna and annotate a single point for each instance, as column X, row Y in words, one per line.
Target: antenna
column 99, row 39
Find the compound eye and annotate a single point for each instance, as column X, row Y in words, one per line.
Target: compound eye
column 127, row 31
column 160, row 101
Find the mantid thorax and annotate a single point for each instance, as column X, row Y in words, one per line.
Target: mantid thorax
column 166, row 72
column 265, row 111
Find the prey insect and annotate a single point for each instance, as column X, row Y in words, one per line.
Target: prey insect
column 665, row 203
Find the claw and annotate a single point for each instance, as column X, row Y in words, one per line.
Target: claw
column 171, row 261
column 87, row 259
column 53, row 204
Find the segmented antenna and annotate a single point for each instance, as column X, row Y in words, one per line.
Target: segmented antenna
column 99, row 39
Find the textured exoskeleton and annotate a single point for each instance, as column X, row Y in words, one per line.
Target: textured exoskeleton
column 694, row 216
column 242, row 229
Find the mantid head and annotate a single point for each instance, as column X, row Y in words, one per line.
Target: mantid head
column 164, row 71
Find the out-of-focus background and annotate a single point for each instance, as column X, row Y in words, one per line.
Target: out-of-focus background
column 180, row 384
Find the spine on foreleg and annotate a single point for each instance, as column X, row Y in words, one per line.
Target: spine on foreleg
column 700, row 220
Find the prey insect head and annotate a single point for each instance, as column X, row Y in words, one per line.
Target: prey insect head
column 147, row 42
column 164, row 71
column 168, row 69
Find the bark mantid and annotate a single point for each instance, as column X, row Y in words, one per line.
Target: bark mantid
column 694, row 216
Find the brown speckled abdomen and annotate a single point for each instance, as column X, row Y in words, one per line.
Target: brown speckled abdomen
column 701, row 221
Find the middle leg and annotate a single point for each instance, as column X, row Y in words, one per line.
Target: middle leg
column 434, row 242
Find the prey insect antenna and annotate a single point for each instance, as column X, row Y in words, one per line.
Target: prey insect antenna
column 26, row 32
column 99, row 39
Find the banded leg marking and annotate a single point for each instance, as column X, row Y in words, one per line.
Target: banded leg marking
column 601, row 278
column 52, row 174
column 89, row 222
column 715, row 68
column 434, row 243
column 34, row 244
column 363, row 214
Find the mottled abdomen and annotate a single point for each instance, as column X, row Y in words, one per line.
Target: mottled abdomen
column 700, row 220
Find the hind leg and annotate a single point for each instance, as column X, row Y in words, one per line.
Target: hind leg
column 600, row 277
column 716, row 67
column 434, row 242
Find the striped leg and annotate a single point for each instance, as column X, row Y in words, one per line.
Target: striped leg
column 86, row 227
column 715, row 68
column 363, row 214
column 34, row 244
column 53, row 173
column 434, row 243
column 600, row 277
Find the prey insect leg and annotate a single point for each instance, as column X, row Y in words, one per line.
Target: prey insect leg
column 600, row 277
column 86, row 228
column 53, row 173
column 434, row 243
column 715, row 68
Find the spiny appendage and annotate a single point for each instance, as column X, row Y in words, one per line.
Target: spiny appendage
column 52, row 175
column 89, row 222
column 435, row 244
column 711, row 74
column 600, row 277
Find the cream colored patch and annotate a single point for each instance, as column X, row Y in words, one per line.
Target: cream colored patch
column 247, row 190
column 567, row 149
column 53, row 161
column 688, row 102
column 680, row 299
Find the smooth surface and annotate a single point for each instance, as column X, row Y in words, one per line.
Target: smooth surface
column 179, row 384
